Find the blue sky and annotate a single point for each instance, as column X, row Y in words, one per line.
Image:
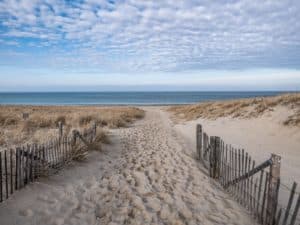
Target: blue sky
column 149, row 44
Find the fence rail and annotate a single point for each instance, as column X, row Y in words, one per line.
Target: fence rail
column 23, row 165
column 257, row 188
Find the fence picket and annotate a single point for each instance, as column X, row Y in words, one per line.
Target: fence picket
column 31, row 163
column 278, row 217
column 199, row 141
column 231, row 167
column 20, row 167
column 255, row 199
column 292, row 194
column 55, row 152
column 16, row 169
column 58, row 152
column 259, row 192
column 51, row 147
column 235, row 167
column 11, row 172
column 263, row 209
column 26, row 164
column 245, row 180
column 251, row 189
column 226, row 161
column 272, row 218
column 221, row 175
column 1, row 185
column 6, row 173
column 239, row 171
column 293, row 219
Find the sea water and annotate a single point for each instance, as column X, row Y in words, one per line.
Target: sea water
column 122, row 98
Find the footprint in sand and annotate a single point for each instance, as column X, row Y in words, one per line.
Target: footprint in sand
column 26, row 212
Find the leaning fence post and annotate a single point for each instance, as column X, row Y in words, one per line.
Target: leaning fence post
column 199, row 141
column 273, row 189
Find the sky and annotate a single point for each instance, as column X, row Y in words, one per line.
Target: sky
column 94, row 45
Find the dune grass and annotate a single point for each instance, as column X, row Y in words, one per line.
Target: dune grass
column 43, row 121
column 241, row 108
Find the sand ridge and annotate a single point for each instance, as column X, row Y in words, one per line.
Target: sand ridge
column 144, row 178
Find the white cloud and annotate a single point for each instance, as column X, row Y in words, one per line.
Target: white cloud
column 136, row 35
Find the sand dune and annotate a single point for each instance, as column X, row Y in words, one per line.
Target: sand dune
column 260, row 136
column 145, row 177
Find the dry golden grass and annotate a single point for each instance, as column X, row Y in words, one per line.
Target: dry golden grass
column 43, row 121
column 241, row 108
column 80, row 151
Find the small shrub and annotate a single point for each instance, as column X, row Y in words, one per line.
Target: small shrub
column 101, row 122
column 33, row 124
column 101, row 137
column 11, row 121
column 293, row 120
column 139, row 114
column 2, row 139
column 79, row 152
column 116, row 123
column 2, row 120
column 44, row 123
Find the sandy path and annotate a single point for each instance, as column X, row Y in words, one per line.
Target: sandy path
column 144, row 178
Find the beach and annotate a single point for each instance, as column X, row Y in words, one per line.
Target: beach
column 149, row 112
column 148, row 172
column 145, row 176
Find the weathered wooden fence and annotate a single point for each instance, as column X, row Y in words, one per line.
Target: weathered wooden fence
column 256, row 187
column 23, row 165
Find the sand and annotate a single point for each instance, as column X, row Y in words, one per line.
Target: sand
column 147, row 176
column 259, row 136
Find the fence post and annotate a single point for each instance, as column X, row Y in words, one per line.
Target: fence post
column 273, row 188
column 215, row 157
column 199, row 141
column 60, row 127
column 95, row 130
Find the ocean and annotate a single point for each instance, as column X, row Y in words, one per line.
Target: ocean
column 122, row 98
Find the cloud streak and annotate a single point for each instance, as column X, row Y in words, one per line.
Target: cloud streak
column 139, row 36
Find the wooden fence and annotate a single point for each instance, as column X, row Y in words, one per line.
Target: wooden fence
column 256, row 187
column 23, row 165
